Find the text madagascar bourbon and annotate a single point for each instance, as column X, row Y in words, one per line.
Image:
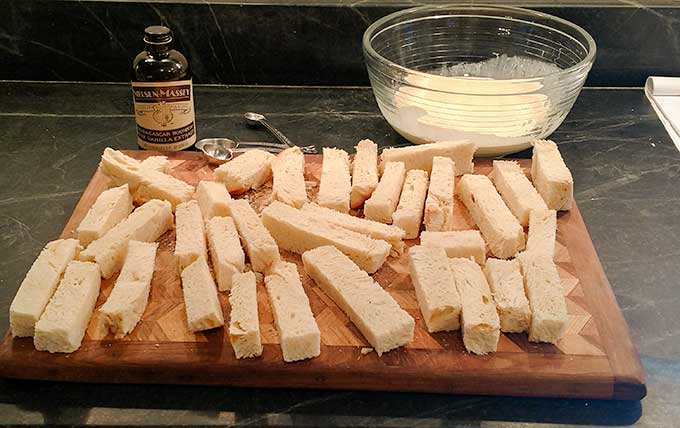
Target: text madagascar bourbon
column 163, row 94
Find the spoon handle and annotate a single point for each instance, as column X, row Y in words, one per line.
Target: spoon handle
column 269, row 149
column 260, row 144
column 265, row 145
column 276, row 133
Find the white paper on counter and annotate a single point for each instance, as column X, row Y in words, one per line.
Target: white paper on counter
column 664, row 95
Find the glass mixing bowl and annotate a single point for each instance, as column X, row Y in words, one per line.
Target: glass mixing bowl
column 499, row 76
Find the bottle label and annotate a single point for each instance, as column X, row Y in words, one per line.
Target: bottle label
column 164, row 112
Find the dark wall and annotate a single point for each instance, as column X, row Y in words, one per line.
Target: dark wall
column 281, row 44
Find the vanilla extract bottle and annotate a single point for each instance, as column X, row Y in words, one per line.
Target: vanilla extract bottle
column 162, row 92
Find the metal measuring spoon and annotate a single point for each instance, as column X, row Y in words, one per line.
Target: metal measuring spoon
column 220, row 150
column 256, row 119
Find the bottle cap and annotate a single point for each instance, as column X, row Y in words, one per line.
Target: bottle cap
column 157, row 35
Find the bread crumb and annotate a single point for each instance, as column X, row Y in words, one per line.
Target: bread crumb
column 365, row 351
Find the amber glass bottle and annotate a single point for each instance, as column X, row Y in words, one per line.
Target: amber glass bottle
column 163, row 95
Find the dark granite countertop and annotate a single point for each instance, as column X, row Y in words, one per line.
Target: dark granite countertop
column 294, row 42
column 626, row 171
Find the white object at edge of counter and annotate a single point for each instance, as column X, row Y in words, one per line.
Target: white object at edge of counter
column 664, row 95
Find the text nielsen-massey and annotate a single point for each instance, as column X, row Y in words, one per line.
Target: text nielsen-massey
column 163, row 93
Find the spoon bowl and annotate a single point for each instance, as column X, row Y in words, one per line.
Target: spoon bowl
column 254, row 119
column 218, row 150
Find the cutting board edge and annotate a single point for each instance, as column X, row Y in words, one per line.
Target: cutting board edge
column 491, row 382
column 629, row 373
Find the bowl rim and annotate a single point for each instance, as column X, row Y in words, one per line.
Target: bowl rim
column 370, row 52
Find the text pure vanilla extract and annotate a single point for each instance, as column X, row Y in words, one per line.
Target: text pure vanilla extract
column 163, row 95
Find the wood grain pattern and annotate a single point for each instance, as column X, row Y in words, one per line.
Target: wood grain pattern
column 595, row 359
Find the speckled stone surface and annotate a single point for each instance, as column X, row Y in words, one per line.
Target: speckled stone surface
column 626, row 171
column 292, row 42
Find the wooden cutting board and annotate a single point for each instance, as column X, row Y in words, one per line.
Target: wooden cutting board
column 595, row 359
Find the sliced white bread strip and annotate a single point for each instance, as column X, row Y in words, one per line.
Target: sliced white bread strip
column 335, row 186
column 499, row 227
column 516, row 189
column 457, row 243
column 551, row 176
column 542, row 231
column 158, row 163
column 213, row 198
column 436, row 291
column 392, row 234
column 549, row 319
column 479, row 319
column 39, row 285
column 298, row 332
column 248, row 171
column 420, row 156
column 62, row 326
column 225, row 250
column 505, row 280
column 409, row 213
column 376, row 314
column 121, row 168
column 244, row 322
column 289, row 177
column 145, row 183
column 296, row 231
column 110, row 208
column 364, row 172
column 146, row 223
column 202, row 305
column 258, row 243
column 440, row 200
column 164, row 187
column 126, row 304
column 190, row 244
column 382, row 203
